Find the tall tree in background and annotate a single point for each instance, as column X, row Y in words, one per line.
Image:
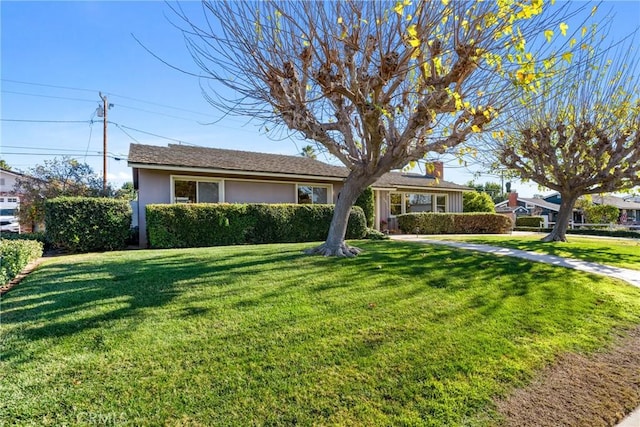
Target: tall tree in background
column 308, row 151
column 493, row 189
column 4, row 165
column 65, row 177
column 581, row 135
column 378, row 84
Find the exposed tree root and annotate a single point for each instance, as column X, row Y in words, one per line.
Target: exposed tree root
column 342, row 250
column 554, row 237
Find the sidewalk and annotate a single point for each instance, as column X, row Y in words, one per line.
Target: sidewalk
column 630, row 276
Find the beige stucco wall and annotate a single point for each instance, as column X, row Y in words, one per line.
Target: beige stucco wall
column 259, row 192
column 155, row 187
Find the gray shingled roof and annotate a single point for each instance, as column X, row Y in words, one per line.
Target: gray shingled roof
column 183, row 156
column 534, row 201
column 618, row 202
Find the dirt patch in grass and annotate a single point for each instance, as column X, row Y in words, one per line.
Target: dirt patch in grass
column 599, row 390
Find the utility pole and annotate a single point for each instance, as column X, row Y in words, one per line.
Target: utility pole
column 103, row 109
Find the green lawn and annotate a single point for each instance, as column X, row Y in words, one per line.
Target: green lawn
column 404, row 334
column 609, row 251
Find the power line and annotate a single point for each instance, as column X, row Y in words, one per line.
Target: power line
column 108, row 93
column 48, row 96
column 125, row 132
column 41, row 149
column 66, row 154
column 156, row 135
column 47, row 85
column 45, row 121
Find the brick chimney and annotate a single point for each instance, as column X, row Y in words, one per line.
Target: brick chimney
column 513, row 200
column 438, row 170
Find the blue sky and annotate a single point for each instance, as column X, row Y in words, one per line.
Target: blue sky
column 57, row 56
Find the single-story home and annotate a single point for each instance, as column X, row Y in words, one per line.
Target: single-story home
column 188, row 174
column 629, row 209
column 550, row 205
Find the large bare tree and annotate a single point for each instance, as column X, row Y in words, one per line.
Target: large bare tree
column 579, row 134
column 378, row 84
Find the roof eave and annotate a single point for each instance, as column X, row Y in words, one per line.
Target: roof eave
column 233, row 172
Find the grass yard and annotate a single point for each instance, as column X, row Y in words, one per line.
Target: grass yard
column 404, row 334
column 609, row 251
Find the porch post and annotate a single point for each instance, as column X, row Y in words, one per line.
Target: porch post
column 376, row 199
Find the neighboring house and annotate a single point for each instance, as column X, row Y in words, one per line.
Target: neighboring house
column 550, row 205
column 528, row 206
column 629, row 209
column 186, row 174
column 9, row 202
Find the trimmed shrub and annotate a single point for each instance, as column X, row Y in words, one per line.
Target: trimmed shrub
column 39, row 237
column 366, row 202
column 426, row 223
column 373, row 234
column 601, row 214
column 86, row 224
column 454, row 223
column 482, row 223
column 529, row 221
column 220, row 224
column 475, row 201
column 607, row 233
column 15, row 255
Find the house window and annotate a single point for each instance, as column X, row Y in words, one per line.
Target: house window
column 12, row 200
column 195, row 191
column 395, row 203
column 418, row 202
column 402, row 203
column 309, row 194
column 2, row 181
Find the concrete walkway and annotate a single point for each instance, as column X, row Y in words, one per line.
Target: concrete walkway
column 630, row 276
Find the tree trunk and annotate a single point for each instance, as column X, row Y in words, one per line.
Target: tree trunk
column 335, row 244
column 558, row 234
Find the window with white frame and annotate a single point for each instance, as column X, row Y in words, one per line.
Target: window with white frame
column 395, row 203
column 196, row 190
column 402, row 203
column 313, row 194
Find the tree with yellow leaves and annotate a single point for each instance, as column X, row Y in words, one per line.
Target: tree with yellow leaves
column 378, row 84
column 579, row 134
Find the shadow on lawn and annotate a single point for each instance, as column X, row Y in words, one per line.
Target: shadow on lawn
column 67, row 298
column 62, row 299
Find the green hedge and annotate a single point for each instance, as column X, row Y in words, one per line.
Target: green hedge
column 588, row 232
column 454, row 223
column 219, row 224
column 15, row 255
column 86, row 224
column 38, row 236
column 366, row 202
column 529, row 221
column 607, row 233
